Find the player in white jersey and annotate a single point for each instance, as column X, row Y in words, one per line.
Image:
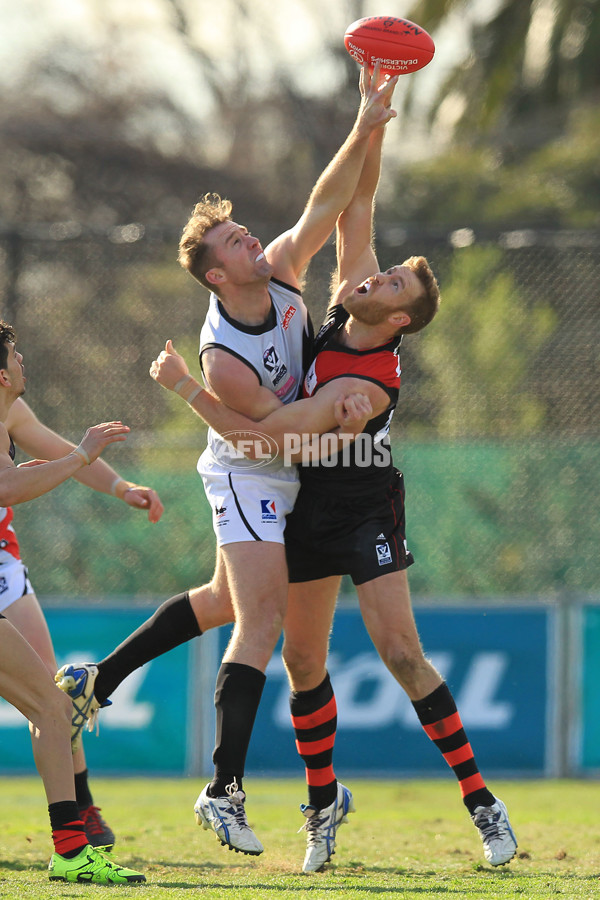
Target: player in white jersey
column 251, row 565
column 275, row 352
column 251, row 568
column 252, row 360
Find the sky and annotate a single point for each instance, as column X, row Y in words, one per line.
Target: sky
column 138, row 40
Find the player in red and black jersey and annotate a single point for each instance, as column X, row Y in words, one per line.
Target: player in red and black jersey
column 349, row 519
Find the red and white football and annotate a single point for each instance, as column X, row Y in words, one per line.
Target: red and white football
column 398, row 45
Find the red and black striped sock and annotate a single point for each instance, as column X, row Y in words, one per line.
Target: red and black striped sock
column 442, row 724
column 314, row 717
column 68, row 831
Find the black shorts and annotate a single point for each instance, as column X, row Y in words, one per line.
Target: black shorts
column 358, row 536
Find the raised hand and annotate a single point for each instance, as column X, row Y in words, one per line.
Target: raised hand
column 98, row 437
column 376, row 98
column 169, row 367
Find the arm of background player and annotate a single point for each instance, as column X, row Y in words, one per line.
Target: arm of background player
column 291, row 251
column 37, row 440
column 36, row 477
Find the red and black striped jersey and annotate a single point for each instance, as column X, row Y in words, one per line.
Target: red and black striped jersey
column 9, row 545
column 368, row 461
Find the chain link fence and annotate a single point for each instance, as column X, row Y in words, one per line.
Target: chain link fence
column 496, row 429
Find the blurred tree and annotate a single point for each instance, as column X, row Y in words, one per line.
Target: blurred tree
column 480, row 352
column 514, row 125
column 529, row 60
column 554, row 186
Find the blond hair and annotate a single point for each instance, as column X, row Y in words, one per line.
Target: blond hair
column 424, row 307
column 195, row 255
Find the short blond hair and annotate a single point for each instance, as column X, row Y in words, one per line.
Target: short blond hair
column 194, row 254
column 424, row 307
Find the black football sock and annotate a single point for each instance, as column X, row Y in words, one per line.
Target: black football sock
column 83, row 796
column 173, row 623
column 68, row 832
column 237, row 695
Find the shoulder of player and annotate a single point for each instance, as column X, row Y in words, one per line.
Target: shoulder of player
column 224, row 366
column 335, row 317
column 19, row 414
column 4, row 441
column 232, row 380
column 280, row 254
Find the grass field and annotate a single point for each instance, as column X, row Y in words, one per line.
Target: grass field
column 407, row 840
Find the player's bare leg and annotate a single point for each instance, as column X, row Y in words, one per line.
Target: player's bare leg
column 27, row 616
column 388, row 616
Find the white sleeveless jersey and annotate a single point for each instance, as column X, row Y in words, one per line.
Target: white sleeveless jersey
column 276, row 351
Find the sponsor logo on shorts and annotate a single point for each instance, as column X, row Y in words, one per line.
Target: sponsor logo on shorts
column 3, row 584
column 384, row 557
column 288, row 314
column 220, row 511
column 268, row 511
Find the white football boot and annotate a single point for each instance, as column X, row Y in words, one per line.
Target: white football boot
column 499, row 841
column 77, row 680
column 226, row 816
column 321, row 827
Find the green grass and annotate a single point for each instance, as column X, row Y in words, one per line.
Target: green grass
column 409, row 839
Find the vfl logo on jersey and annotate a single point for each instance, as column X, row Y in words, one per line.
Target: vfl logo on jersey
column 310, row 382
column 3, row 584
column 288, row 314
column 384, row 557
column 274, row 366
column 268, row 511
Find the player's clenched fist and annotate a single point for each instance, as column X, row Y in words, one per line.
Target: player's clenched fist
column 169, row 367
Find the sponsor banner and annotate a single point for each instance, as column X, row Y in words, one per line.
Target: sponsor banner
column 495, row 661
column 144, row 730
column 162, row 719
column 590, row 696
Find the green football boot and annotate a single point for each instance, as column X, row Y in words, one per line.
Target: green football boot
column 91, row 865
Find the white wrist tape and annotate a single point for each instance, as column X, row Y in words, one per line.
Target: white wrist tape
column 83, row 454
column 194, row 394
column 181, row 383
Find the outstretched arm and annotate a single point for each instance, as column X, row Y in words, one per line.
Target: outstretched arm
column 37, row 440
column 303, row 419
column 36, row 477
column 291, row 251
column 356, row 259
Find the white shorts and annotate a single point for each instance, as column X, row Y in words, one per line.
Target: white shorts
column 248, row 506
column 14, row 583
